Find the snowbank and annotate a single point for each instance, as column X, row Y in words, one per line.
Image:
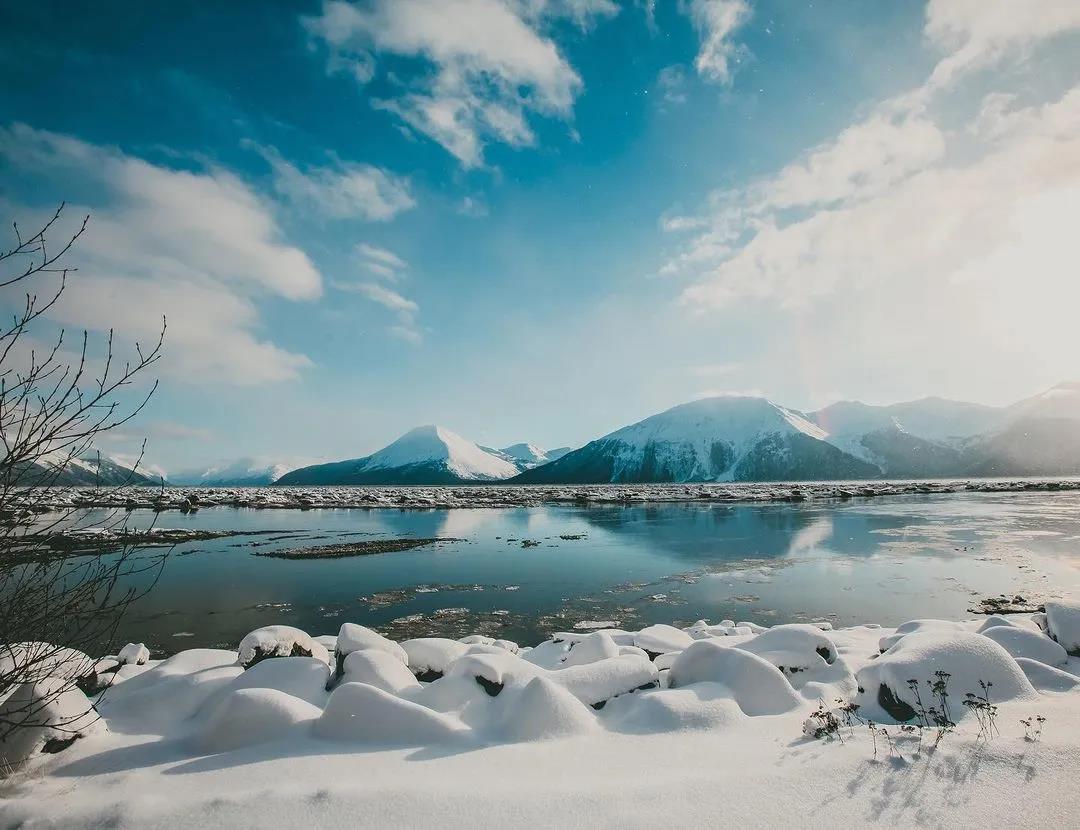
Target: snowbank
column 1063, row 624
column 969, row 660
column 663, row 725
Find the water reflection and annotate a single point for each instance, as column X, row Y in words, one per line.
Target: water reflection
column 884, row 560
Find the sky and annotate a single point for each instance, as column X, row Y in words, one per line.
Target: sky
column 541, row 220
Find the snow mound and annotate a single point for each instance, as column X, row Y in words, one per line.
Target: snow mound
column 661, row 639
column 755, row 684
column 246, row 717
column 161, row 699
column 353, row 637
column 1012, row 620
column 1046, row 678
column 278, row 641
column 364, row 714
column 135, row 654
column 703, row 706
column 432, row 655
column 598, row 646
column 543, row 710
column 301, row 677
column 793, row 648
column 48, row 716
column 920, row 627
column 968, row 658
column 1063, row 624
column 379, row 669
column 596, row 683
column 38, row 661
column 1020, row 642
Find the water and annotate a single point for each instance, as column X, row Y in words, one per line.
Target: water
column 884, row 560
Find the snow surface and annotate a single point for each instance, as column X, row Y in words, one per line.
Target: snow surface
column 582, row 730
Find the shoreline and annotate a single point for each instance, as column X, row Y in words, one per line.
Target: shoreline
column 471, row 496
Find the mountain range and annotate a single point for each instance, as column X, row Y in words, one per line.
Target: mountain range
column 726, row 438
column 739, row 438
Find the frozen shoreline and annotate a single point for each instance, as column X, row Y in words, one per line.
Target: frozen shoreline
column 590, row 728
column 501, row 496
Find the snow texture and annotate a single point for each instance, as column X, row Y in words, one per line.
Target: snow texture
column 480, row 732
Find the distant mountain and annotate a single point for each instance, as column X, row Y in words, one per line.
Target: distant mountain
column 716, row 439
column 91, row 469
column 526, row 456
column 753, row 439
column 425, row 455
column 242, row 472
column 558, row 452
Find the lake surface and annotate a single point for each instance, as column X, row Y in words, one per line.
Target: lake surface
column 883, row 560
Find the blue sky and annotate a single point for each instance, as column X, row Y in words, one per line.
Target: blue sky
column 543, row 219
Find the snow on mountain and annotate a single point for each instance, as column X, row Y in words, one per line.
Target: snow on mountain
column 425, row 455
column 241, row 472
column 90, row 469
column 715, row 439
column 524, row 456
column 1061, row 401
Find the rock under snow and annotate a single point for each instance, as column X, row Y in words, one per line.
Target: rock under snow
column 353, row 637
column 756, row 685
column 967, row 657
column 47, row 716
column 429, row 657
column 792, row 648
column 134, row 654
column 278, row 641
column 1063, row 624
column 661, row 639
column 379, row 669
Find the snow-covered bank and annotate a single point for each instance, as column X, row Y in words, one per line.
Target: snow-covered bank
column 507, row 495
column 679, row 727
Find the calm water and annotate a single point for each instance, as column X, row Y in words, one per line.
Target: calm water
column 880, row 560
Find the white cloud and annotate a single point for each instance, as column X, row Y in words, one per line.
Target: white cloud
column 197, row 246
column 490, row 64
column 382, row 295
column 405, row 309
column 342, row 191
column 926, row 244
column 381, row 255
column 716, row 22
column 976, row 33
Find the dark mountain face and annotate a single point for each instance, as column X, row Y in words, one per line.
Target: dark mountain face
column 902, row 455
column 87, row 471
column 800, row 458
column 353, row 473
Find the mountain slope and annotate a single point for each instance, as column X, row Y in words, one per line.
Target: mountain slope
column 242, row 472
column 525, row 456
column 716, row 439
column 91, row 469
column 425, row 455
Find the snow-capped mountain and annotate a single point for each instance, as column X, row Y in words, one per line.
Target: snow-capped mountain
column 753, row 439
column 91, row 469
column 715, row 439
column 526, row 456
column 242, row 472
column 425, row 455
